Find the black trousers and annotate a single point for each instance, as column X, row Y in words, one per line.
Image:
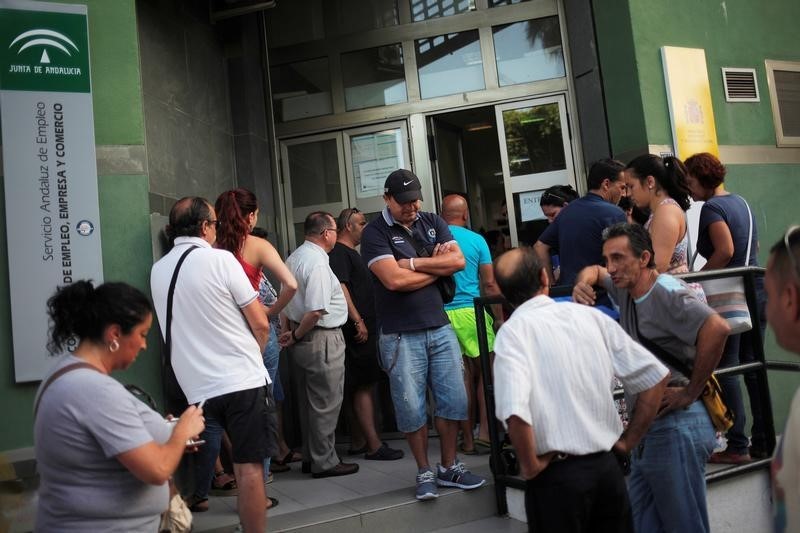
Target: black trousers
column 580, row 494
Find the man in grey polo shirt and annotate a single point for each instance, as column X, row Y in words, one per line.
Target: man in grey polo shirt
column 312, row 333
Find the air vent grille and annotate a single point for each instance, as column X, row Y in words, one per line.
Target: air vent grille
column 740, row 85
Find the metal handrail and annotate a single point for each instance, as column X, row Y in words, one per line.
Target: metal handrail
column 759, row 368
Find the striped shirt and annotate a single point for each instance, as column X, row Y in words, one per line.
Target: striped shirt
column 554, row 368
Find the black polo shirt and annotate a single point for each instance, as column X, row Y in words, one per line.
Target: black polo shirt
column 399, row 310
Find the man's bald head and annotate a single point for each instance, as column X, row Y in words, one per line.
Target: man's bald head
column 520, row 275
column 455, row 210
column 187, row 216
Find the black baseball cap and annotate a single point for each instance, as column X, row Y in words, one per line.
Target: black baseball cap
column 403, row 185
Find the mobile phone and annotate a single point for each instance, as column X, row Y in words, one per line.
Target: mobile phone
column 191, row 442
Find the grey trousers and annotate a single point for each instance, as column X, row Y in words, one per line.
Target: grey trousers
column 318, row 376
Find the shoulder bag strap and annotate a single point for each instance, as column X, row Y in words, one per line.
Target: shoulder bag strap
column 170, row 294
column 660, row 352
column 57, row 374
column 418, row 247
column 749, row 233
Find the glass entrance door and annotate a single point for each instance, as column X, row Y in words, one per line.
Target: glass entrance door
column 333, row 171
column 313, row 173
column 535, row 154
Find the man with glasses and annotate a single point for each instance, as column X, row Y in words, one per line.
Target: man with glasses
column 782, row 283
column 576, row 232
column 407, row 250
column 218, row 333
column 312, row 332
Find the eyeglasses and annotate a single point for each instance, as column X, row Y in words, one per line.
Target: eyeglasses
column 327, row 229
column 787, row 237
column 549, row 198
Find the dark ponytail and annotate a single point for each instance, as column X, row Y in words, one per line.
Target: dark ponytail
column 232, row 208
column 83, row 311
column 669, row 173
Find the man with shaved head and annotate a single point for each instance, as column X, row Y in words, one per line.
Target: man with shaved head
column 475, row 280
column 782, row 283
column 553, row 387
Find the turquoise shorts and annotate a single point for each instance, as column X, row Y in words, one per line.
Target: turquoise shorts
column 463, row 321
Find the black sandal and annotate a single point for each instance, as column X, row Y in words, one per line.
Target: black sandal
column 197, row 505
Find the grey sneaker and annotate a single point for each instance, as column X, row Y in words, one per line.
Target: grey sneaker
column 426, row 484
column 458, row 476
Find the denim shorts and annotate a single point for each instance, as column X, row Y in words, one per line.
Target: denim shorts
column 416, row 360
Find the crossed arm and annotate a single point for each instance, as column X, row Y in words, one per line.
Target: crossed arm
column 397, row 275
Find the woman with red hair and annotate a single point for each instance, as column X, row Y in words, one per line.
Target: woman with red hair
column 726, row 222
column 237, row 213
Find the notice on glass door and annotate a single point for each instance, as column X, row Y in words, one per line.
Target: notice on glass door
column 375, row 156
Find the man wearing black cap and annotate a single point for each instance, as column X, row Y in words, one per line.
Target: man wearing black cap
column 407, row 250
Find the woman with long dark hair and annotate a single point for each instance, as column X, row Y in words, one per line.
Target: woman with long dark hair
column 104, row 457
column 660, row 185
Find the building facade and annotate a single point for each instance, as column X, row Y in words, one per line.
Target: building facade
column 310, row 103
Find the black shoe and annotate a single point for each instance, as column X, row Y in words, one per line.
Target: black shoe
column 384, row 453
column 305, row 467
column 342, row 469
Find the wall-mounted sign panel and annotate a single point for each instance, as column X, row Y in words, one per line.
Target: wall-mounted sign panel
column 49, row 165
column 689, row 98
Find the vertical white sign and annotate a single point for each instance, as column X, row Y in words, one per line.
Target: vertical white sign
column 49, row 166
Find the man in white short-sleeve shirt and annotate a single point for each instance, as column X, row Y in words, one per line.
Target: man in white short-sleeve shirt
column 554, row 370
column 312, row 333
column 219, row 330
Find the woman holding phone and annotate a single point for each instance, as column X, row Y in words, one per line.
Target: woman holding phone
column 104, row 457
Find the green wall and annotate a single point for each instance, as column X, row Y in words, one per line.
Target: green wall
column 124, row 209
column 735, row 33
column 620, row 75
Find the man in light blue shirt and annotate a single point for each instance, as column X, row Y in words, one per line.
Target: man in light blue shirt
column 475, row 280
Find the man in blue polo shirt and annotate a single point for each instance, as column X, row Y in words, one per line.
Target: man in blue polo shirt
column 577, row 231
column 407, row 250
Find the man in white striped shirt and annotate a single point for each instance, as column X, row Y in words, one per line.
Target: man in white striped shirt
column 554, row 370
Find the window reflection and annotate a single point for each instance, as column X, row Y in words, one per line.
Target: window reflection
column 449, row 64
column 528, row 51
column 301, row 90
column 374, row 77
column 534, row 142
column 314, row 171
column 363, row 15
column 431, row 9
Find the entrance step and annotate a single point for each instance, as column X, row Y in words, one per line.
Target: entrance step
column 395, row 511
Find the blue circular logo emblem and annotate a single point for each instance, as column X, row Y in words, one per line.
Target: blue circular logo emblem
column 85, row 228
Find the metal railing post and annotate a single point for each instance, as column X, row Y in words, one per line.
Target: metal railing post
column 488, row 392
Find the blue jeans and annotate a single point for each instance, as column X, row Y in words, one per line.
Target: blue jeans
column 206, row 456
column 667, row 485
column 271, row 358
column 732, row 393
column 416, row 360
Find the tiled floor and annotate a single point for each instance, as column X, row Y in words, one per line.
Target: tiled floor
column 300, row 492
